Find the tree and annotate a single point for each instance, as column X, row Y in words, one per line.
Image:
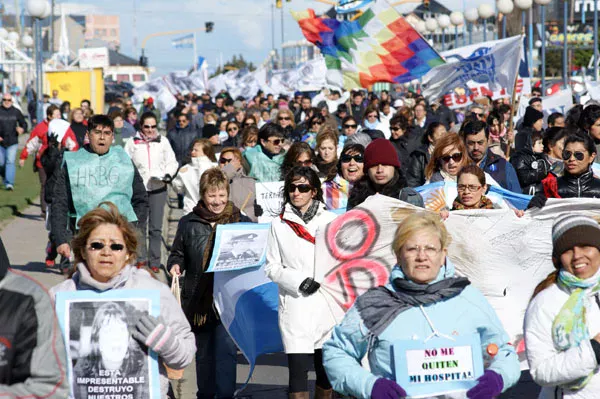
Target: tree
column 236, row 62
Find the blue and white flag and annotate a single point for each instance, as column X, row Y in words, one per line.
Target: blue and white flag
column 184, row 41
column 495, row 63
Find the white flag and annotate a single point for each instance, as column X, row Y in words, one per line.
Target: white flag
column 495, row 63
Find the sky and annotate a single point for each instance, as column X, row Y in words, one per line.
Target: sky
column 240, row 27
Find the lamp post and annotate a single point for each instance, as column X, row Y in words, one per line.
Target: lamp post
column 431, row 25
column 39, row 9
column 444, row 22
column 525, row 5
column 457, row 19
column 27, row 42
column 471, row 15
column 485, row 11
column 565, row 41
column 505, row 7
column 542, row 4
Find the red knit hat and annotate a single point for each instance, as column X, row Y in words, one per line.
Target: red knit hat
column 381, row 152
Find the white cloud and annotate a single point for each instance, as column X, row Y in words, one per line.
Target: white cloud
column 252, row 34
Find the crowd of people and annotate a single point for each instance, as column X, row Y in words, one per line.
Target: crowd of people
column 105, row 180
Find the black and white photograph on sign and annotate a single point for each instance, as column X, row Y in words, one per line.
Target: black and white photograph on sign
column 106, row 361
column 239, row 248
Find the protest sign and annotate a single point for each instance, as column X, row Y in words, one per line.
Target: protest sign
column 439, row 366
column 239, row 246
column 269, row 195
column 103, row 359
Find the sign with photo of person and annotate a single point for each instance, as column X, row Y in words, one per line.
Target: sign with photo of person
column 239, row 246
column 104, row 360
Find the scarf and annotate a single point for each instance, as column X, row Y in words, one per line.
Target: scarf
column 569, row 327
column 310, row 212
column 200, row 311
column 447, row 176
column 484, row 203
column 496, row 138
column 143, row 139
column 380, row 306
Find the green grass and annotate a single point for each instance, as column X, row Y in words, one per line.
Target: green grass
column 27, row 189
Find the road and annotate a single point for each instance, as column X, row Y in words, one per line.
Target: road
column 25, row 239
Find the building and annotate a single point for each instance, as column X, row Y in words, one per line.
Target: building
column 296, row 53
column 105, row 28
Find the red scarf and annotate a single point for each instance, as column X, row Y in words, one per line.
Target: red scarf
column 550, row 185
column 299, row 230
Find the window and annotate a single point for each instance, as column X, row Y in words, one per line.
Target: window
column 122, row 77
column 139, row 77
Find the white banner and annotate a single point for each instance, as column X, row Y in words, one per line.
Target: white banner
column 561, row 101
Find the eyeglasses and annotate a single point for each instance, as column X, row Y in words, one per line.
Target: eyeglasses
column 463, row 187
column 284, row 118
column 275, row 142
column 429, row 250
column 99, row 246
column 7, row 100
column 303, row 188
column 456, row 157
column 150, row 126
column 566, row 155
column 102, row 132
column 345, row 158
column 307, row 163
column 347, row 126
column 224, row 161
column 233, row 129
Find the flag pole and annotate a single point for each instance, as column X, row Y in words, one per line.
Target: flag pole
column 195, row 63
column 511, row 123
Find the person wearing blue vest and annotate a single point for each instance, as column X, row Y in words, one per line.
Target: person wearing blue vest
column 96, row 173
column 476, row 135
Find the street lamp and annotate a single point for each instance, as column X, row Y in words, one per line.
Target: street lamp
column 485, row 11
column 431, row 25
column 39, row 9
column 444, row 22
column 471, row 15
column 525, row 5
column 457, row 19
column 505, row 7
column 542, row 4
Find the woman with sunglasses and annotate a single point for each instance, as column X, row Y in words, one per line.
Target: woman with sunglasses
column 578, row 180
column 285, row 119
column 448, row 158
column 299, row 154
column 350, row 169
column 234, row 138
column 314, row 125
column 305, row 321
column 372, row 121
column 105, row 257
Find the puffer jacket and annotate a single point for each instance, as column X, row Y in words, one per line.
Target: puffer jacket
column 418, row 160
column 133, row 278
column 154, row 160
column 181, row 140
column 262, row 167
column 305, row 322
column 531, row 169
column 570, row 186
column 550, row 367
column 465, row 314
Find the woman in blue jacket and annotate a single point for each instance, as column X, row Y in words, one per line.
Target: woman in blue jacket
column 423, row 294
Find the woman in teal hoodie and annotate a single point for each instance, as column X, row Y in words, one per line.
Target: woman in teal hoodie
column 423, row 297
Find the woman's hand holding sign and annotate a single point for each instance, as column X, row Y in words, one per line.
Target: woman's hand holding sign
column 155, row 334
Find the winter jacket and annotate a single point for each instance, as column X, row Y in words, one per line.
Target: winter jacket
column 37, row 142
column 364, row 189
column 531, row 169
column 570, row 186
column 133, row 278
column 33, row 359
column 262, row 167
column 442, row 114
column 404, row 146
column 80, row 130
column 501, row 170
column 305, row 322
column 51, row 160
column 10, row 119
column 62, row 217
column 242, row 190
column 415, row 172
column 465, row 314
column 187, row 181
column 550, row 367
column 154, row 160
column 181, row 140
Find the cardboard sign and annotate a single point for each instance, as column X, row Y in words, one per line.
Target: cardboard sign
column 439, row 366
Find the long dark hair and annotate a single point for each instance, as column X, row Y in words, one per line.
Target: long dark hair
column 310, row 175
column 296, row 149
column 588, row 117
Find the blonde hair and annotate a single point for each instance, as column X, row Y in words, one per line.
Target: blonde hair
column 417, row 222
column 213, row 179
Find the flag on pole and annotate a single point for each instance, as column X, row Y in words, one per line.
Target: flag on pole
column 184, row 41
column 379, row 46
column 63, row 45
column 496, row 64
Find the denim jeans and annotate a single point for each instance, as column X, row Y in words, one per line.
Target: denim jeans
column 8, row 157
column 216, row 362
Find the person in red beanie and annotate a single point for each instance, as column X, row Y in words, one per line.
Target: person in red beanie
column 148, row 106
column 383, row 176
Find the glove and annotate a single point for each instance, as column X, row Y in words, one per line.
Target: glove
column 309, row 286
column 154, row 333
column 167, row 179
column 258, row 211
column 489, row 386
column 537, row 202
column 387, row 389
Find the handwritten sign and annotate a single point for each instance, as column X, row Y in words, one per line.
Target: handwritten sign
column 438, row 366
column 269, row 195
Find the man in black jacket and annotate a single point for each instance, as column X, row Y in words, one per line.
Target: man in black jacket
column 12, row 125
column 181, row 137
column 107, row 175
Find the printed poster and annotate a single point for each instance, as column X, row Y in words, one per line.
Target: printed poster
column 239, row 246
column 103, row 358
column 270, row 197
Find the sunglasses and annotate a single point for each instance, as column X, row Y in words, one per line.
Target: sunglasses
column 285, row 118
column 345, row 158
column 7, row 100
column 456, row 157
column 276, row 141
column 346, row 126
column 99, row 246
column 477, row 115
column 307, row 163
column 566, row 155
column 150, row 126
column 249, row 124
column 223, row 161
column 395, row 128
column 233, row 129
column 303, row 188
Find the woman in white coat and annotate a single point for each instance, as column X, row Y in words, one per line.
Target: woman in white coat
column 304, row 319
column 562, row 323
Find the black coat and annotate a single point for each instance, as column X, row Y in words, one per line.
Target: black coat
column 396, row 188
column 404, row 146
column 415, row 173
column 569, row 186
column 181, row 140
column 531, row 169
column 10, row 118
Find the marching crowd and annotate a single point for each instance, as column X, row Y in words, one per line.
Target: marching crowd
column 104, row 183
